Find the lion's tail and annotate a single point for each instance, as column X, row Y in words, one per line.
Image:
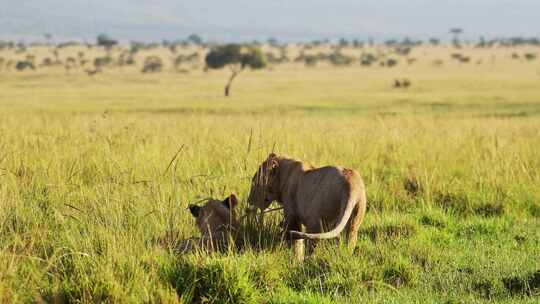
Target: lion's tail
column 345, row 215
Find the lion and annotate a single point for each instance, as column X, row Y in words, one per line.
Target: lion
column 317, row 198
column 217, row 222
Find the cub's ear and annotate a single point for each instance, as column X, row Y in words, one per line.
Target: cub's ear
column 231, row 201
column 272, row 155
column 195, row 210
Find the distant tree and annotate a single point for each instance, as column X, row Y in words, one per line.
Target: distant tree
column 343, row 42
column 237, row 58
column 456, row 32
column 105, row 41
column 273, row 42
column 135, row 47
column 434, row 41
column 20, row 48
column 481, row 42
column 48, row 38
column 357, row 43
column 195, row 39
column 391, row 42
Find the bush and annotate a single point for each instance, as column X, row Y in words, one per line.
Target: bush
column 100, row 62
column 337, row 58
column 152, row 64
column 311, row 60
column 25, row 65
column 530, row 56
column 367, row 59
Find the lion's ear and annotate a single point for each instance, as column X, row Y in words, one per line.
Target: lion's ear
column 231, row 201
column 274, row 164
column 273, row 161
column 195, row 210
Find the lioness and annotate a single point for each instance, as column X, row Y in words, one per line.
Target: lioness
column 217, row 223
column 317, row 198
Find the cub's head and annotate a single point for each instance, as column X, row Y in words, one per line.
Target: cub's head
column 216, row 216
column 264, row 183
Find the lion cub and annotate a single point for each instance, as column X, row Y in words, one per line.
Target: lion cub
column 217, row 222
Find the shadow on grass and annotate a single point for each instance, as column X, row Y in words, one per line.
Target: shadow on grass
column 527, row 284
column 389, row 232
column 460, row 204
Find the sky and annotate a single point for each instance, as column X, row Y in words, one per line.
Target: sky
column 245, row 20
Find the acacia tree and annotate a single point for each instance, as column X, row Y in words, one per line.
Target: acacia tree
column 236, row 57
column 456, row 32
column 106, row 41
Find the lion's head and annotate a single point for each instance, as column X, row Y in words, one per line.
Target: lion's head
column 216, row 217
column 264, row 184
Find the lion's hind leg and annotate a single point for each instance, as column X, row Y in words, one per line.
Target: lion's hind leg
column 353, row 225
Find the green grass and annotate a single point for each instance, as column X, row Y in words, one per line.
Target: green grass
column 451, row 168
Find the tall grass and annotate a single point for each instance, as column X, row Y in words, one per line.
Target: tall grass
column 89, row 181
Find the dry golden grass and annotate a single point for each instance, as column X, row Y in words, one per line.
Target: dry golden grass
column 84, row 190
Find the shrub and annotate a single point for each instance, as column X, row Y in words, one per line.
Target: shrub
column 530, row 56
column 152, row 64
column 25, row 65
column 100, row 62
column 338, row 58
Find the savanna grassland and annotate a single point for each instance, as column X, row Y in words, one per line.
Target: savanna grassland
column 96, row 173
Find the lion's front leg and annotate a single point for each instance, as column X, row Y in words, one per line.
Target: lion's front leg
column 291, row 222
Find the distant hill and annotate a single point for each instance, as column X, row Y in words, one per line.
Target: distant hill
column 250, row 19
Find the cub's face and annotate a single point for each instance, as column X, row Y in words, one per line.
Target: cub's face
column 215, row 216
